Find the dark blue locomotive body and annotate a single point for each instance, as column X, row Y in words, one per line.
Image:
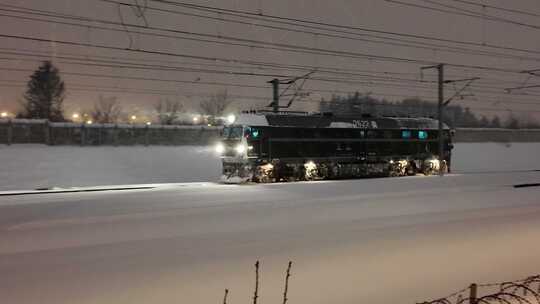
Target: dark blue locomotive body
column 266, row 147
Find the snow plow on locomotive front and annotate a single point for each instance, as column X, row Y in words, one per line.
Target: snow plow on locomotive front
column 277, row 147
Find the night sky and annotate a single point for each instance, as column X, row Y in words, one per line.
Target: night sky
column 383, row 78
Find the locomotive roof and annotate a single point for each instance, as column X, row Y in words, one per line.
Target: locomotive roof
column 335, row 121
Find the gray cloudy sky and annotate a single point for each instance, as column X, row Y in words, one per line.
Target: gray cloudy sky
column 390, row 80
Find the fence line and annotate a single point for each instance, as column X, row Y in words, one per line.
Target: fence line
column 14, row 131
column 524, row 291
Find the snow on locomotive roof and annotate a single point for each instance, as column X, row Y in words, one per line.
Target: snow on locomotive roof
column 335, row 121
column 252, row 119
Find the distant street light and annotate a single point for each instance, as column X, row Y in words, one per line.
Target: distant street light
column 133, row 117
column 4, row 114
column 195, row 119
column 75, row 116
column 89, row 122
column 231, row 118
column 148, row 123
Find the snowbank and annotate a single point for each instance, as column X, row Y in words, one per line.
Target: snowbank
column 40, row 166
column 482, row 157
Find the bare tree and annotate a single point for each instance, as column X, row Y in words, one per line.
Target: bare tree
column 168, row 111
column 216, row 104
column 106, row 110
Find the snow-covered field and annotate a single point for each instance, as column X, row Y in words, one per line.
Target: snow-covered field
column 39, row 166
column 390, row 240
column 378, row 241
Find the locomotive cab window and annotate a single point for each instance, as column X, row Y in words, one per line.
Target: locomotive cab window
column 232, row 132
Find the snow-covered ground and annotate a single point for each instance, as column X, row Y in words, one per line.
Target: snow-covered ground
column 388, row 240
column 378, row 241
column 39, row 166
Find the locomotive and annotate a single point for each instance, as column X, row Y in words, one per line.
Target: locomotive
column 290, row 146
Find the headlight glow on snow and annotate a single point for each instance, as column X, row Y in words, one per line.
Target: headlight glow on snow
column 240, row 149
column 434, row 163
column 220, row 148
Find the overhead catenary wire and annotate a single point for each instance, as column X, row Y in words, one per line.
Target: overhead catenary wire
column 382, row 58
column 251, row 43
column 499, row 8
column 463, row 12
column 372, row 56
column 237, row 41
column 345, row 35
column 150, row 67
column 147, row 92
column 303, row 22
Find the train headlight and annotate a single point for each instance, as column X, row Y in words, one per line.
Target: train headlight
column 231, row 119
column 240, row 149
column 311, row 169
column 310, row 165
column 220, row 148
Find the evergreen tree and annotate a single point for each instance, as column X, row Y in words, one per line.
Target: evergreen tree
column 45, row 94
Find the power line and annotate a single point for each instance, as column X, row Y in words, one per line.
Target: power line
column 293, row 48
column 401, row 42
column 371, row 56
column 463, row 12
column 241, row 41
column 135, row 91
column 303, row 22
column 164, row 68
column 509, row 10
column 251, row 64
column 139, row 66
column 260, row 65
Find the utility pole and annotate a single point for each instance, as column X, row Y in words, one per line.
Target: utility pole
column 440, row 69
column 275, row 89
column 442, row 103
column 291, row 84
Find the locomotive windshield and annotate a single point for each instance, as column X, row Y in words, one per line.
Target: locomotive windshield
column 232, row 132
